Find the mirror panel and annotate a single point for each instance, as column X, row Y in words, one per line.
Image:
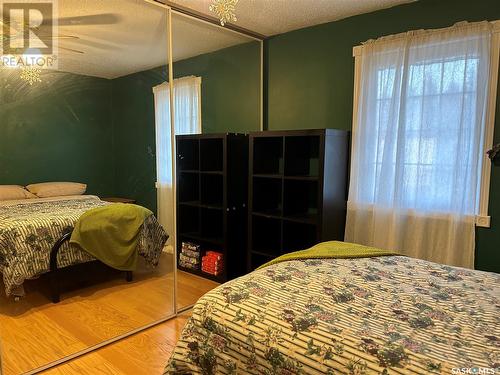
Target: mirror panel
column 91, row 120
column 220, row 71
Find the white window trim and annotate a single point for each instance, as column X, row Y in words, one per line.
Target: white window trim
column 482, row 219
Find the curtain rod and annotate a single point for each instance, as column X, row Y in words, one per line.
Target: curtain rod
column 206, row 18
column 386, row 39
column 177, row 80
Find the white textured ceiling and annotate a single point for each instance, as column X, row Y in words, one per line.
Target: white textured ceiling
column 271, row 17
column 120, row 37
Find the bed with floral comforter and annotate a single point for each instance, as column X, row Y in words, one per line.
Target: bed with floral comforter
column 379, row 315
column 29, row 229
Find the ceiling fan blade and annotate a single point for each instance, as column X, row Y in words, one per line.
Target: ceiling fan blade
column 93, row 19
column 67, row 37
column 94, row 44
column 60, row 36
column 71, row 50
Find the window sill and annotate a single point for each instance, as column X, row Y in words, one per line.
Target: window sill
column 483, row 221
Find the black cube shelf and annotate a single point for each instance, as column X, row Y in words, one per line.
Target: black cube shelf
column 212, row 188
column 294, row 182
column 297, row 191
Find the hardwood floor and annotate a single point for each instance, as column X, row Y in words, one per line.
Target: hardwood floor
column 145, row 353
column 191, row 287
column 34, row 332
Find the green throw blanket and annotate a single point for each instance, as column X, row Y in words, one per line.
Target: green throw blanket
column 332, row 249
column 110, row 234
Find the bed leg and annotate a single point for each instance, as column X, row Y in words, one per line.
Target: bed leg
column 129, row 276
column 54, row 288
column 54, row 285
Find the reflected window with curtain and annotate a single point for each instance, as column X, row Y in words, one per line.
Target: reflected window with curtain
column 187, row 120
column 418, row 142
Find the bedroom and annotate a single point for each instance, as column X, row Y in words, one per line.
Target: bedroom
column 93, row 121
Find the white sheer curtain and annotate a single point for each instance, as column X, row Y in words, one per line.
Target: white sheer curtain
column 418, row 143
column 187, row 120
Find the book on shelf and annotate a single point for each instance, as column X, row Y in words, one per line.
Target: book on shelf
column 212, row 263
column 190, row 255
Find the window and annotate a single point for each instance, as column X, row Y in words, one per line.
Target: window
column 187, row 120
column 424, row 104
column 423, row 119
column 438, row 110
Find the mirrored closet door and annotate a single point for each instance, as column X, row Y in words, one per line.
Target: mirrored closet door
column 217, row 95
column 90, row 120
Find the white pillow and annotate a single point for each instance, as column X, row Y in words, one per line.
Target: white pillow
column 56, row 189
column 12, row 192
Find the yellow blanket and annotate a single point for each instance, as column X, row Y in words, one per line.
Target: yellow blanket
column 110, row 233
column 332, row 249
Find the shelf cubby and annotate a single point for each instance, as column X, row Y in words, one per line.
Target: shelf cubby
column 300, row 199
column 212, row 224
column 266, row 237
column 268, row 156
column 188, row 155
column 185, row 222
column 267, row 196
column 258, row 259
column 211, row 154
column 212, row 191
column 302, row 155
column 189, row 187
column 298, row 236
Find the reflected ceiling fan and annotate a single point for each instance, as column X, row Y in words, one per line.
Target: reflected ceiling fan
column 89, row 20
column 31, row 73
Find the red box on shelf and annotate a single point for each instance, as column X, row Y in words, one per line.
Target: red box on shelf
column 212, row 263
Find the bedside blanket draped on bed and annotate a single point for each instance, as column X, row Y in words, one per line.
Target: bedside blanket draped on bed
column 332, row 250
column 110, row 234
column 30, row 227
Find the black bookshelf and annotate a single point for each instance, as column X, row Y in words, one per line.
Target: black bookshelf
column 297, row 191
column 212, row 183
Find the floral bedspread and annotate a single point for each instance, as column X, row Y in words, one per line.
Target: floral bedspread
column 28, row 230
column 382, row 315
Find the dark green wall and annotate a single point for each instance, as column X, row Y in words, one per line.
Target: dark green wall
column 102, row 132
column 230, row 99
column 311, row 74
column 56, row 130
column 134, row 141
column 230, row 87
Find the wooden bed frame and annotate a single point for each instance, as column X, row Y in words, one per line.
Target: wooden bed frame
column 54, row 270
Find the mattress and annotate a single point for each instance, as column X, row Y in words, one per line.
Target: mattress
column 30, row 227
column 381, row 315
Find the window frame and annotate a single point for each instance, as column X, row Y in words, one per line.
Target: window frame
column 483, row 219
